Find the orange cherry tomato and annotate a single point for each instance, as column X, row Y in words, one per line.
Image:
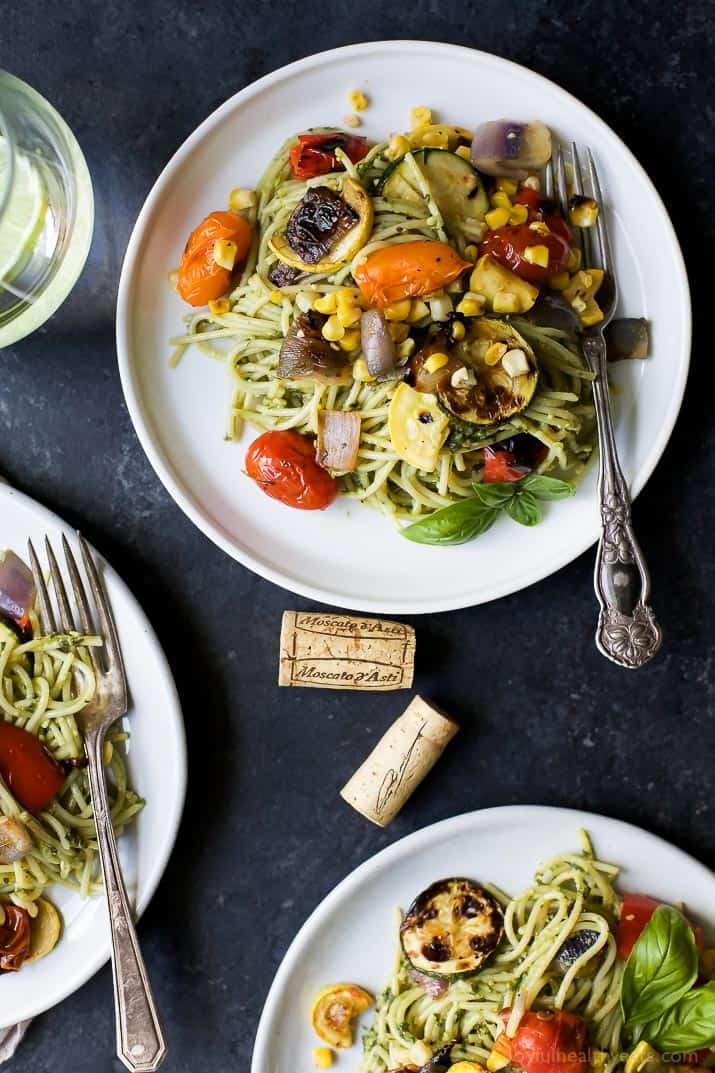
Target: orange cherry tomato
column 14, row 938
column 407, row 270
column 32, row 774
column 283, row 465
column 201, row 280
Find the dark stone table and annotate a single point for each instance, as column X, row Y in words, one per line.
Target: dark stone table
column 546, row 719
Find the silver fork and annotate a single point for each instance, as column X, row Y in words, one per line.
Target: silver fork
column 140, row 1041
column 627, row 630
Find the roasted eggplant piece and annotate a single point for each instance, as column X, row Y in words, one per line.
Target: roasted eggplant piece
column 575, row 947
column 326, row 228
column 452, row 928
column 282, row 275
column 306, row 355
column 627, row 337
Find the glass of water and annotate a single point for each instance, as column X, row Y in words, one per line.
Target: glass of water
column 46, row 210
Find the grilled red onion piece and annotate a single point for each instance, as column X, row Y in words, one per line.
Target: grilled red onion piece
column 378, row 346
column 509, row 148
column 338, row 440
column 306, row 355
column 17, row 589
column 434, row 986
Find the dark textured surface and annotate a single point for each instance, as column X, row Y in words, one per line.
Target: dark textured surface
column 546, row 719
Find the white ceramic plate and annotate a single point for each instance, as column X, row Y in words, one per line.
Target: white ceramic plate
column 350, row 555
column 352, row 934
column 157, row 764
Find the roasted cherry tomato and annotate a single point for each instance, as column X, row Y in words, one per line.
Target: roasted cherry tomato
column 407, row 270
column 507, row 245
column 14, row 938
column 200, row 279
column 512, row 459
column 32, row 775
column 636, row 911
column 531, row 198
column 314, row 154
column 551, row 1041
column 283, row 464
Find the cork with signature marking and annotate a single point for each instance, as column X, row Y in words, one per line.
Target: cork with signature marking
column 324, row 651
column 400, row 761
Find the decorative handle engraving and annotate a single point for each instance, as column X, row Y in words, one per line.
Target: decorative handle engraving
column 140, row 1042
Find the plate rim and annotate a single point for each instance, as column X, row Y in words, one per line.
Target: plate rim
column 161, row 858
column 577, row 818
column 161, row 463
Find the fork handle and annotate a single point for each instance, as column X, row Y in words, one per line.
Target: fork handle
column 628, row 632
column 140, row 1041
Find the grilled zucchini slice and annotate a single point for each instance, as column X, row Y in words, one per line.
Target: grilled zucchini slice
column 452, row 928
column 455, row 186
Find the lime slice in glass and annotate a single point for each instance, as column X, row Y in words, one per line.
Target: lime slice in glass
column 22, row 221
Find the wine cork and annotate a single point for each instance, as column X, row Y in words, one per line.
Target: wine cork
column 399, row 762
column 322, row 651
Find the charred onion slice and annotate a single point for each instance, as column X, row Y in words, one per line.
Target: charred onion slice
column 345, row 243
column 306, row 355
column 333, row 1011
column 338, row 440
column 451, row 928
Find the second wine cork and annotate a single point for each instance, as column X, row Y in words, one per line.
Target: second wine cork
column 400, row 761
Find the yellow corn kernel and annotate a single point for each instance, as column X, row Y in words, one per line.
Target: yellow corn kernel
column 574, row 262
column 333, row 330
column 497, row 218
column 397, row 147
column 505, row 302
column 518, row 215
column 217, row 306
column 471, row 252
column 594, row 316
column 348, row 294
column 470, row 307
column 420, row 116
column 537, row 255
column 532, row 182
column 240, row 199
column 361, row 371
column 107, row 753
column 466, row 1067
column 496, row 1062
column 418, row 310
column 398, row 310
column 494, row 353
column 583, row 212
column 540, row 227
column 351, row 340
column 464, row 151
column 322, row 1057
column 225, row 253
column 276, row 297
column 560, row 282
column 358, row 100
column 352, row 121
column 458, row 330
column 435, row 362
column 508, row 186
column 406, row 349
column 348, row 315
column 500, row 200
column 398, row 330
column 326, row 304
column 578, row 304
column 643, row 1057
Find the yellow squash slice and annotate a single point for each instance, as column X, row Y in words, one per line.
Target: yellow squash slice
column 354, row 195
column 333, row 1011
column 45, row 929
column 418, row 427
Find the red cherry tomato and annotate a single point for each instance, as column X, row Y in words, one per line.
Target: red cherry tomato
column 32, row 775
column 530, row 198
column 512, row 459
column 314, row 154
column 635, row 914
column 507, row 245
column 283, row 464
column 547, row 1042
column 14, row 938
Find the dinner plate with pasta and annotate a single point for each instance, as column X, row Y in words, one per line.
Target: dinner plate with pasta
column 54, row 930
column 523, row 939
column 349, row 318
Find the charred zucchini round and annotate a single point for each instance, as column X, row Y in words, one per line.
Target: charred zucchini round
column 452, row 928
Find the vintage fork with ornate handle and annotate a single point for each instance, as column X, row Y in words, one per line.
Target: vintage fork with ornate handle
column 140, row 1042
column 627, row 631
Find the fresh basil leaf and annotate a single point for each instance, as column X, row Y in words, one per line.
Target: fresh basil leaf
column 548, row 487
column 662, row 966
column 495, row 493
column 688, row 1025
column 455, row 524
column 524, row 509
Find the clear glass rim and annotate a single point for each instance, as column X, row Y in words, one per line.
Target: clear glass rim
column 6, row 186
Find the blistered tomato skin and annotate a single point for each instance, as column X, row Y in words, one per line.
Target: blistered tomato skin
column 507, row 245
column 32, row 775
column 283, row 465
column 201, row 280
column 408, row 270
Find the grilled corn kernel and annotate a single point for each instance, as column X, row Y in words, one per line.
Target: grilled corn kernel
column 327, row 303
column 470, row 307
column 361, row 371
column 276, row 298
column 418, row 310
column 322, row 1057
column 537, row 255
column 505, row 302
column 420, row 116
column 593, row 316
column 358, row 100
column 466, row 1067
column 458, row 330
column 494, row 353
column 240, row 199
column 217, row 306
column 348, row 315
column 333, row 330
column 471, row 252
column 352, row 121
column 500, row 200
column 574, row 262
column 583, row 211
column 497, row 218
column 397, row 147
column 532, row 182
column 225, row 253
column 404, row 350
column 508, row 186
column 464, row 151
column 107, row 753
column 560, row 282
column 398, row 330
column 540, row 227
column 398, row 310
column 435, row 362
column 578, row 304
column 351, row 340
column 518, row 215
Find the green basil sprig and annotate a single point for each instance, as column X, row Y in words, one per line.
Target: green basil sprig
column 471, row 517
column 687, row 1026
